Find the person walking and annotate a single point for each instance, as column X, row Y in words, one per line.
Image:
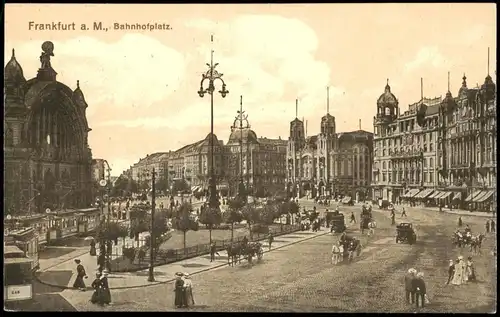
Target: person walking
column 420, row 290
column 451, row 271
column 179, row 290
column 393, row 218
column 93, row 251
column 408, row 282
column 270, row 240
column 460, row 223
column 487, row 226
column 403, row 214
column 471, row 270
column 353, row 218
column 80, row 275
column 336, row 253
column 492, row 225
column 96, row 285
column 105, row 292
column 188, row 290
column 213, row 252
column 458, row 278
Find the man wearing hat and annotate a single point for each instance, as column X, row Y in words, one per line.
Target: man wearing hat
column 106, row 293
column 420, row 290
column 80, row 275
column 409, row 291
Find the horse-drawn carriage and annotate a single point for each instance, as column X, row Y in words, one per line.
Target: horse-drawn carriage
column 366, row 217
column 405, row 233
column 248, row 250
column 352, row 247
column 336, row 221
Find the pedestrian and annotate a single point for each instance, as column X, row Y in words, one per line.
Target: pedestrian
column 403, row 214
column 471, row 270
column 271, row 240
column 93, row 251
column 393, row 219
column 409, row 293
column 458, row 278
column 420, row 290
column 487, row 226
column 179, row 290
column 213, row 252
column 353, row 218
column 188, row 290
column 80, row 275
column 341, row 252
column 460, row 223
column 101, row 262
column 492, row 225
column 96, row 285
column 105, row 297
column 335, row 253
column 109, row 248
column 451, row 271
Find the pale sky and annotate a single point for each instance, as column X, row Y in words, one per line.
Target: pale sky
column 141, row 85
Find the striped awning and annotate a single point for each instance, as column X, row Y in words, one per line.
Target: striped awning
column 441, row 194
column 484, row 197
column 445, row 195
column 457, row 196
column 424, row 194
column 411, row 193
column 473, row 195
column 435, row 194
column 415, row 193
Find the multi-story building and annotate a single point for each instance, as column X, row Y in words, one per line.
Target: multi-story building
column 441, row 151
column 259, row 162
column 46, row 152
column 141, row 171
column 329, row 163
column 98, row 170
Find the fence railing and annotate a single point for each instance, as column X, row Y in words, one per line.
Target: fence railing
column 141, row 258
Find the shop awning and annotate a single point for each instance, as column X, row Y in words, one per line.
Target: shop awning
column 439, row 195
column 410, row 193
column 435, row 194
column 487, row 195
column 446, row 195
column 457, row 196
column 415, row 193
column 428, row 193
column 425, row 193
column 346, row 199
column 473, row 195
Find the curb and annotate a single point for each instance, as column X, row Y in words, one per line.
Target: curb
column 173, row 279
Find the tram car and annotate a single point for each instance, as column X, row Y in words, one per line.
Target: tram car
column 26, row 239
column 39, row 222
column 88, row 220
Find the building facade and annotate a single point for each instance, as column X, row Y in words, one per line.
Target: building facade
column 329, row 163
column 441, row 151
column 98, row 170
column 48, row 162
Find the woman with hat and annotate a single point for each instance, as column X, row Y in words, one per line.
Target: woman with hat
column 179, row 300
column 96, row 285
column 188, row 290
column 471, row 270
column 451, row 271
column 105, row 295
column 80, row 275
column 458, row 278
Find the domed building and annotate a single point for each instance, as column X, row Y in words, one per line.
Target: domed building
column 46, row 151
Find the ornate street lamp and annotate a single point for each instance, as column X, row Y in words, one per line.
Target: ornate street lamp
column 152, row 238
column 212, row 75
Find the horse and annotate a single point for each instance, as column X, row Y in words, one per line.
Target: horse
column 476, row 242
column 234, row 253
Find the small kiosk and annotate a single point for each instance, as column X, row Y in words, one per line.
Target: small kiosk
column 18, row 275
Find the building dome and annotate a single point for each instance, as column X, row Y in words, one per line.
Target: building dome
column 488, row 88
column 463, row 90
column 327, row 117
column 13, row 72
column 387, row 98
column 78, row 96
column 448, row 104
column 247, row 134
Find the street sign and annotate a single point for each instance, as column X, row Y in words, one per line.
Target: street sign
column 102, row 182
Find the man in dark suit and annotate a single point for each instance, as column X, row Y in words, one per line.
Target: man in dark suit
column 419, row 289
column 409, row 290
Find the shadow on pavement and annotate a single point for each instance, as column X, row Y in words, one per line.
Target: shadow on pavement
column 75, row 242
column 52, row 252
column 61, row 278
column 42, row 302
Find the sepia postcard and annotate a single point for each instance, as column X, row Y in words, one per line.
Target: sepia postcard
column 250, row 157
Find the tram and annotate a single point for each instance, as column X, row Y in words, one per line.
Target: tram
column 38, row 222
column 88, row 220
column 20, row 263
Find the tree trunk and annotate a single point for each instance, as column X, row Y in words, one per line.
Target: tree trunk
column 185, row 250
column 210, row 234
column 232, row 231
column 250, row 229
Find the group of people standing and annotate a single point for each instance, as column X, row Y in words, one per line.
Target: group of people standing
column 101, row 294
column 460, row 272
column 415, row 289
column 183, row 288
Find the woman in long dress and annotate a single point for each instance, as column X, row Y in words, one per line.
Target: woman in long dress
column 459, row 272
column 80, row 275
column 188, row 290
column 92, row 248
column 105, row 296
column 179, row 291
column 471, row 270
column 96, row 285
